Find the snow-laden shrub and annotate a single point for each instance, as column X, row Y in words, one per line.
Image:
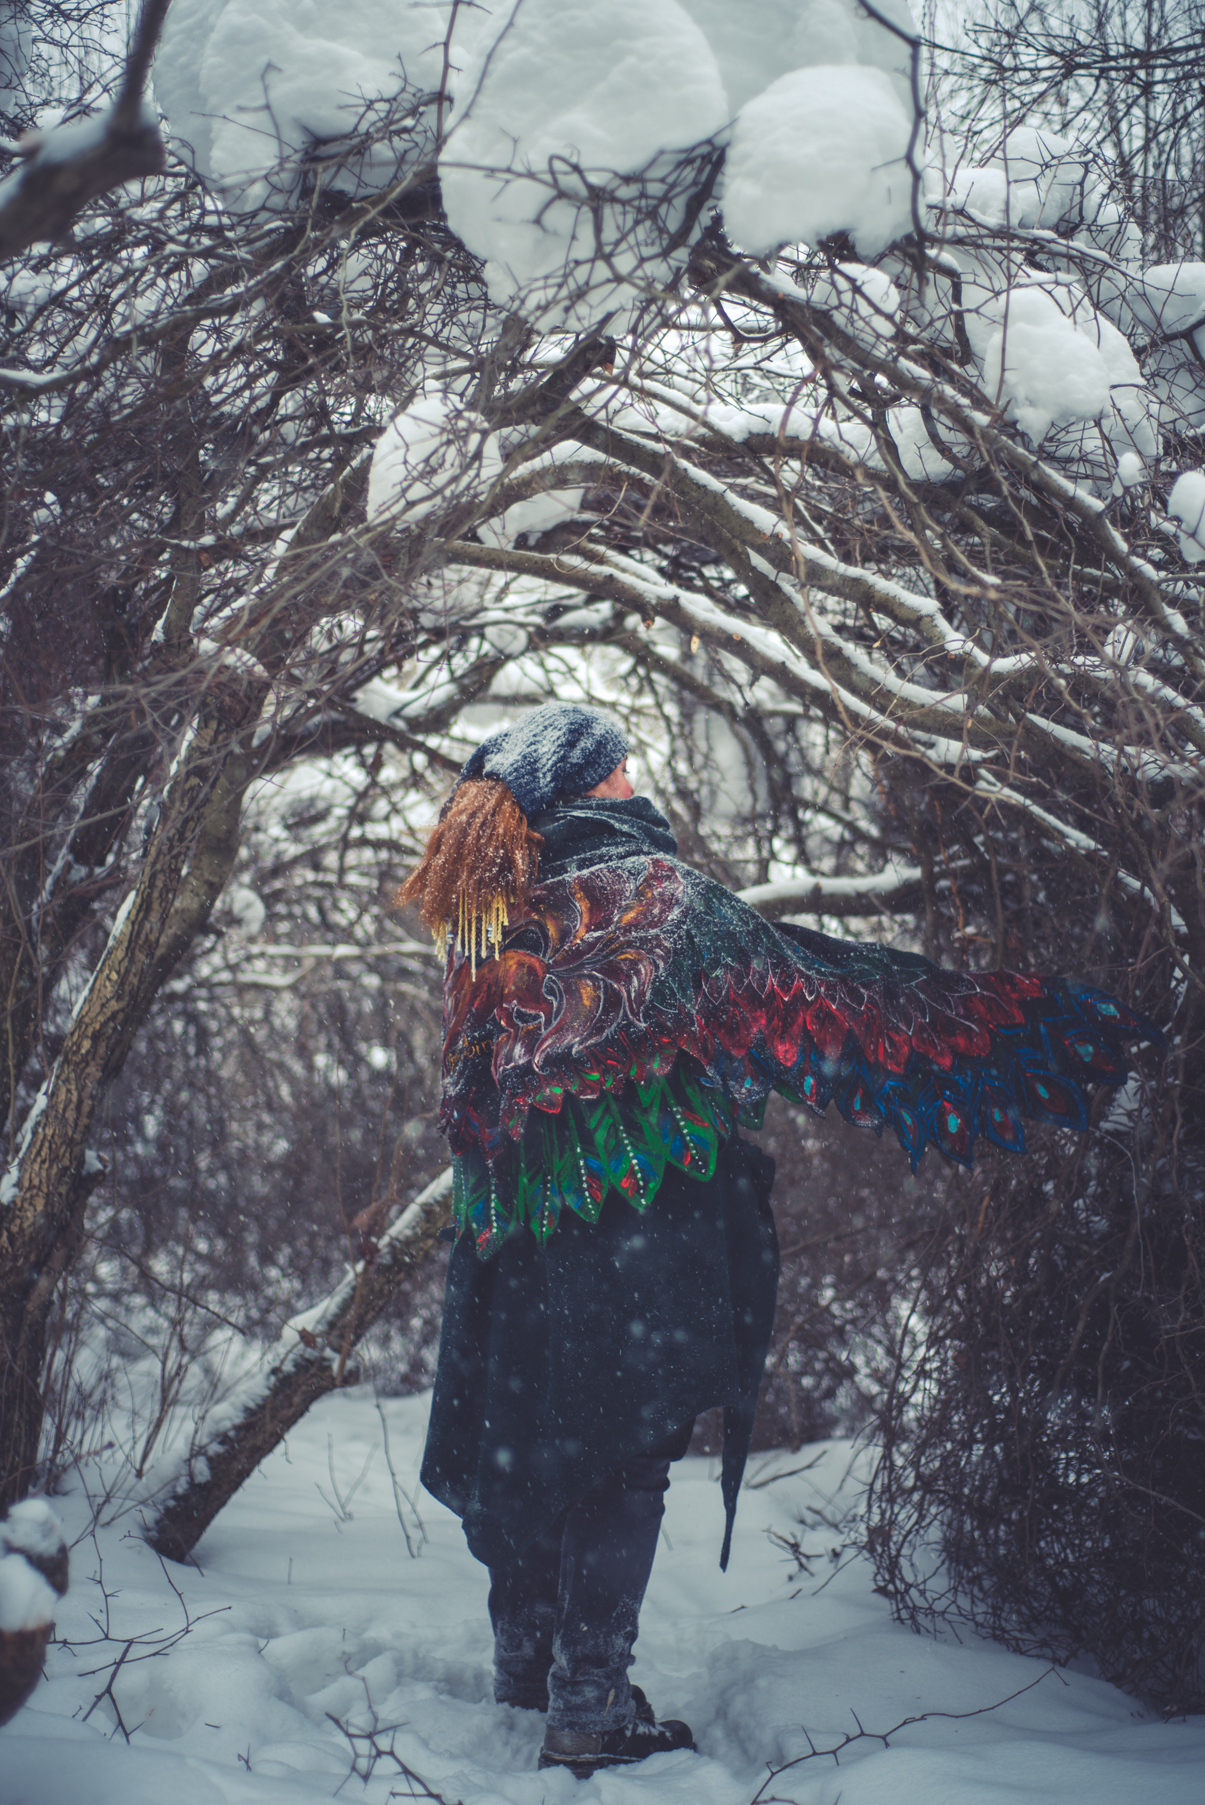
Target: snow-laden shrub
column 581, row 149
column 570, row 134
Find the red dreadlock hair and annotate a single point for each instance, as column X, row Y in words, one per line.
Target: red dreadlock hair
column 477, row 872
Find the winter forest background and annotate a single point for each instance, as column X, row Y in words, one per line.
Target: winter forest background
column 819, row 389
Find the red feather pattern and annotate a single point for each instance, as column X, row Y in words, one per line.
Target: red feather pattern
column 620, row 970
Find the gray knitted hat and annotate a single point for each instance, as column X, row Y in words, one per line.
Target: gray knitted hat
column 562, row 749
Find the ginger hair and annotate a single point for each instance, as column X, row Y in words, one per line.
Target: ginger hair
column 478, row 869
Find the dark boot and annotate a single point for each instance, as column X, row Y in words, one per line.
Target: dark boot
column 584, row 1755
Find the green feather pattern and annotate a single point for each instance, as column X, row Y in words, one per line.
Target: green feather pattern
column 590, row 1147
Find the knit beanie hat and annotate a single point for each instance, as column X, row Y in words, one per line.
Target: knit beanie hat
column 561, row 749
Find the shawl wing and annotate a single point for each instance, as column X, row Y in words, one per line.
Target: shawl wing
column 620, row 970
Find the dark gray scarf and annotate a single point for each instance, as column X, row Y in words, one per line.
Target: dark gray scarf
column 595, row 830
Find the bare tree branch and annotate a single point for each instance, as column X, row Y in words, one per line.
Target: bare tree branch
column 66, row 169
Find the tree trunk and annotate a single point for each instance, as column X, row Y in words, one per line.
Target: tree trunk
column 188, row 860
column 23, row 1323
column 48, row 1184
column 309, row 1361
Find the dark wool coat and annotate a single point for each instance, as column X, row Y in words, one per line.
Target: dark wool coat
column 559, row 1363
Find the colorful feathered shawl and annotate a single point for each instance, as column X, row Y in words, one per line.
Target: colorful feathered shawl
column 641, row 1010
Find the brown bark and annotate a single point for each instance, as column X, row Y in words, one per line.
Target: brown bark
column 315, row 1365
column 183, row 874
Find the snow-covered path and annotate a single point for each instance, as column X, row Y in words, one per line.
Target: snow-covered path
column 315, row 1618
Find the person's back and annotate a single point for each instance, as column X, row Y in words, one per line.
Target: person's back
column 607, row 1029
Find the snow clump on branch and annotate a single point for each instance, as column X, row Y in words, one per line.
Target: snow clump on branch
column 438, row 453
column 1043, row 366
column 270, row 94
column 570, row 95
column 1186, row 503
column 822, row 150
column 33, row 1566
column 430, row 456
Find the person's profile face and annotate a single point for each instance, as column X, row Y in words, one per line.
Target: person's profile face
column 615, row 787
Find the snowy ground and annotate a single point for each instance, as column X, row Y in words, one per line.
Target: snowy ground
column 317, row 1619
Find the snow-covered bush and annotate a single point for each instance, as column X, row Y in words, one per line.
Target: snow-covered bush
column 574, row 140
column 581, row 148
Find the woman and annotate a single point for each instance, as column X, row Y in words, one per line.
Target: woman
column 610, row 1018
